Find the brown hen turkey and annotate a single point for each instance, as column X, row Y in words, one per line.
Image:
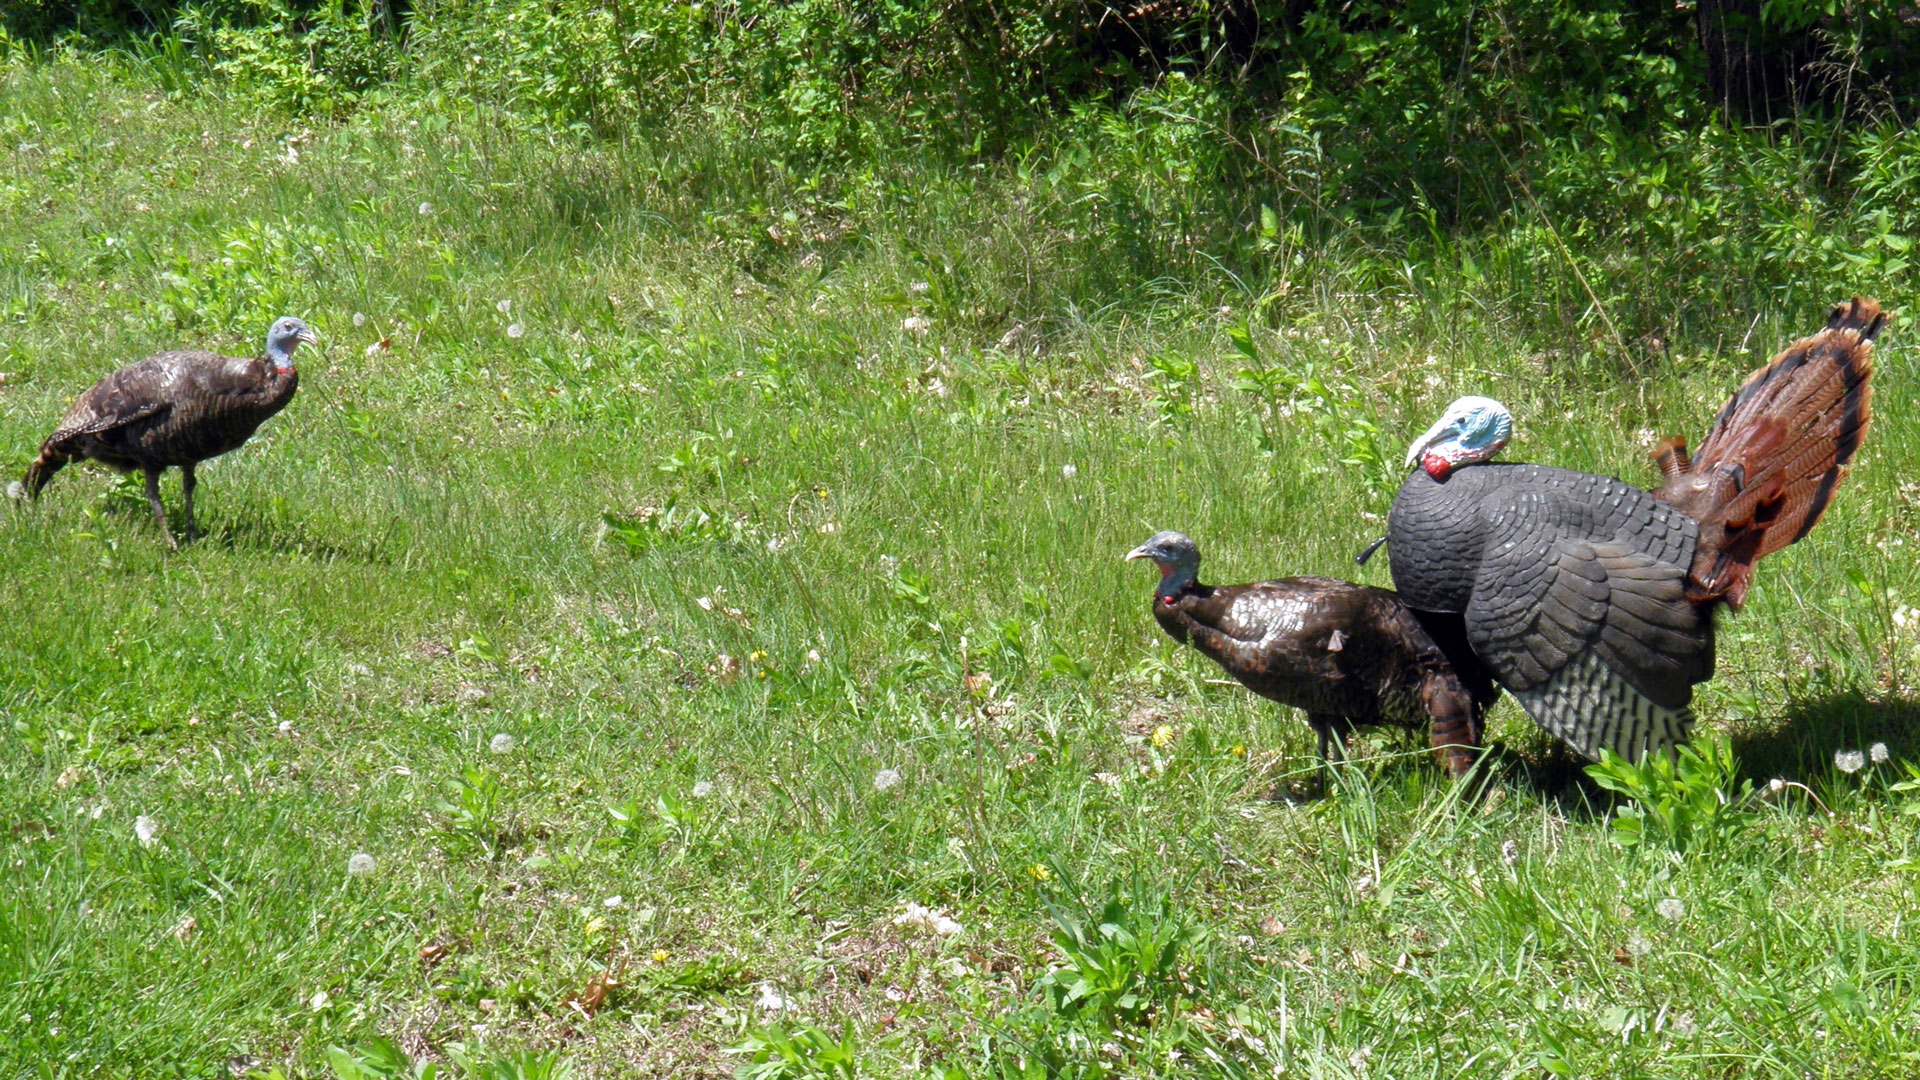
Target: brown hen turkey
column 1344, row 654
column 174, row 409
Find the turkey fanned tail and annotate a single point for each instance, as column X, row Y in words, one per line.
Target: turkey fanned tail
column 1777, row 452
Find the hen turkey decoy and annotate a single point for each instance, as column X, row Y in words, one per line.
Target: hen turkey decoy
column 1345, row 654
column 174, row 408
column 1591, row 600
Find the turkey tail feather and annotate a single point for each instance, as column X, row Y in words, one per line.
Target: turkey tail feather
column 1777, row 452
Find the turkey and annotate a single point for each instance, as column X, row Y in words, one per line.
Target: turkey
column 174, row 408
column 1345, row 654
column 1592, row 601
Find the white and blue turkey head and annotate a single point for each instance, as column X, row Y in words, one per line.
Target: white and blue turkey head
column 286, row 335
column 1177, row 556
column 1473, row 429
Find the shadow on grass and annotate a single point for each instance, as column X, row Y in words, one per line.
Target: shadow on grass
column 250, row 533
column 1800, row 745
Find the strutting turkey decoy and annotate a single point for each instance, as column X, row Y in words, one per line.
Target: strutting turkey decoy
column 1591, row 600
column 174, row 408
column 1345, row 654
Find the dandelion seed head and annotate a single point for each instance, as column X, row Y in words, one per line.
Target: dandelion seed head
column 1776, row 785
column 1510, row 852
column 501, row 744
column 426, row 208
column 286, row 727
column 1684, row 1024
column 361, row 865
column 886, row 778
column 359, row 318
column 1849, row 761
column 16, row 490
column 516, row 330
column 1069, row 471
column 1672, row 908
column 504, row 307
column 703, row 789
column 145, row 830
column 1638, row 945
column 1878, row 753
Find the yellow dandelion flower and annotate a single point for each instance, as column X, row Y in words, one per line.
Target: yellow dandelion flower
column 1039, row 873
column 1164, row 735
column 757, row 656
column 1239, row 750
column 659, row 956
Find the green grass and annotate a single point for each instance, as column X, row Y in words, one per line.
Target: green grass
column 717, row 516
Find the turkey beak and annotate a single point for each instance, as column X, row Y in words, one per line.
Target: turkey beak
column 1138, row 553
column 310, row 337
column 1446, row 426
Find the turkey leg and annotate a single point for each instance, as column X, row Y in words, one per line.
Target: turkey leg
column 159, row 512
column 186, row 494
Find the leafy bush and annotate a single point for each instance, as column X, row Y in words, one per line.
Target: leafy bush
column 1120, row 962
column 797, row 1052
column 1686, row 802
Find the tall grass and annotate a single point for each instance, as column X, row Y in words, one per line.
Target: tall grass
column 680, row 472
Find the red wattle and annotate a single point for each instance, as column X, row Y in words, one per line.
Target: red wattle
column 1436, row 466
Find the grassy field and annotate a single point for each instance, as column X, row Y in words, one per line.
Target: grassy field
column 666, row 576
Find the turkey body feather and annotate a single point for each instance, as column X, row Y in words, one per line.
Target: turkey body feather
column 1345, row 654
column 1549, row 566
column 173, row 409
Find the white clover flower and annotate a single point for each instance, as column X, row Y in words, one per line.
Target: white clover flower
column 1878, row 752
column 1069, row 471
column 916, row 324
column 1849, row 761
column 613, row 901
column 1671, row 908
column 1684, row 1024
column 319, row 1001
column 145, row 830
column 361, row 865
column 885, row 779
column 501, row 744
column 516, row 330
column 359, row 318
column 1776, row 785
column 771, row 999
column 703, row 789
column 426, row 208
column 286, row 727
column 930, row 920
column 1510, row 852
column 504, row 307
